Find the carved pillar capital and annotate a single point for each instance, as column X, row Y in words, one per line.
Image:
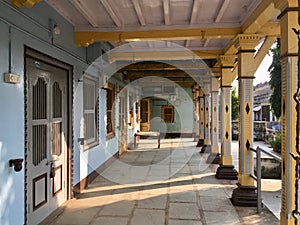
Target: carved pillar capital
column 227, row 60
column 246, row 41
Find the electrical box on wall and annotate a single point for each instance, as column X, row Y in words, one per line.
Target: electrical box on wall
column 12, row 78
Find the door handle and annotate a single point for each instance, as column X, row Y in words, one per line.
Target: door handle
column 51, row 161
column 52, row 172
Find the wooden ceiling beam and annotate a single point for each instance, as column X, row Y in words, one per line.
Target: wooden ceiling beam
column 222, row 10
column 83, row 38
column 167, row 16
column 162, row 66
column 139, row 12
column 258, row 23
column 111, row 12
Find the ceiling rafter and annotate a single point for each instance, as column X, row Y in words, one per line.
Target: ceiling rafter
column 166, row 4
column 187, row 43
column 222, row 11
column 84, row 11
column 195, row 10
column 139, row 12
column 206, row 43
column 150, row 44
column 108, row 7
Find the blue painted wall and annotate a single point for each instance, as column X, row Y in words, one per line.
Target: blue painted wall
column 184, row 113
column 31, row 30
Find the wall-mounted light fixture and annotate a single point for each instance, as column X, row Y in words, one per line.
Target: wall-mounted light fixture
column 16, row 163
column 54, row 29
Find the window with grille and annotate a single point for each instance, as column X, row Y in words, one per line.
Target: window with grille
column 110, row 99
column 167, row 113
column 90, row 111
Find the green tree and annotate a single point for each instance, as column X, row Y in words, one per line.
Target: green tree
column 234, row 104
column 275, row 81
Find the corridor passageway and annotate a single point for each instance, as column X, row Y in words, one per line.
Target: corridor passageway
column 146, row 195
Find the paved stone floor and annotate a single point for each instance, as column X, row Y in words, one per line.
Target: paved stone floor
column 172, row 185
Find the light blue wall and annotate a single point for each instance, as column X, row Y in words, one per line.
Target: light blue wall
column 26, row 32
column 184, row 113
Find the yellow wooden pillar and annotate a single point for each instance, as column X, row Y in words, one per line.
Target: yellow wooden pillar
column 289, row 56
column 245, row 194
column 206, row 146
column 226, row 169
column 201, row 118
column 214, row 156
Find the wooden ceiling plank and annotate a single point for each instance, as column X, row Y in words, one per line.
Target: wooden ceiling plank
column 109, row 8
column 139, row 12
column 84, row 11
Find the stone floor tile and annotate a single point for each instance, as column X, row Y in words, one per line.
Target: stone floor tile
column 158, row 202
column 110, row 221
column 148, row 217
column 216, row 204
column 184, row 211
column 222, row 218
column 118, row 209
column 184, row 222
column 77, row 216
column 189, row 196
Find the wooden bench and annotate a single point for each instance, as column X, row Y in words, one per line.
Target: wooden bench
column 147, row 134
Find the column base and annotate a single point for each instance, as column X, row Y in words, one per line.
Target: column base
column 214, row 158
column 244, row 196
column 200, row 143
column 206, row 149
column 227, row 172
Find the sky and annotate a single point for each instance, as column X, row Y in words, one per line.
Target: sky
column 262, row 73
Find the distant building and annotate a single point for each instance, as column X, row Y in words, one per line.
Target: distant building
column 262, row 109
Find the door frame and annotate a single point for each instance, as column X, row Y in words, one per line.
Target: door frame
column 149, row 102
column 41, row 57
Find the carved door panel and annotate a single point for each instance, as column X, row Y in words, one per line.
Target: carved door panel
column 46, row 139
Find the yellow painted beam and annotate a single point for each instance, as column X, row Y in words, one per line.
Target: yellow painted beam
column 86, row 38
column 258, row 23
column 162, row 66
column 263, row 13
column 27, row 3
column 172, row 55
column 271, row 29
